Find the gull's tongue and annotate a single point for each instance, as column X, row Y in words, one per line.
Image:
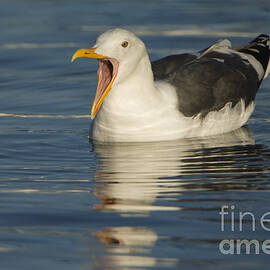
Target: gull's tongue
column 107, row 72
column 105, row 77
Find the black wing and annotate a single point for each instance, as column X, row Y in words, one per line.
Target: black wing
column 165, row 66
column 213, row 79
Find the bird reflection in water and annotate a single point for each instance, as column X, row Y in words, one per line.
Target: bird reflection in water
column 137, row 179
column 125, row 246
column 130, row 177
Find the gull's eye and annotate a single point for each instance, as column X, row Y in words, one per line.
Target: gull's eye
column 124, row 44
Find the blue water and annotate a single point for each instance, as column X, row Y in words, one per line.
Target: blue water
column 66, row 203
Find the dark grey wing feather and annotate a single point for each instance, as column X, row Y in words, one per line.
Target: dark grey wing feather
column 207, row 83
column 163, row 67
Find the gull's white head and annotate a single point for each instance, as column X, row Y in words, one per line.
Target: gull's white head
column 119, row 53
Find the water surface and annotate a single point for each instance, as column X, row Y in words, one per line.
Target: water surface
column 69, row 203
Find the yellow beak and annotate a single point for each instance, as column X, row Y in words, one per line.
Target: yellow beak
column 98, row 98
column 87, row 53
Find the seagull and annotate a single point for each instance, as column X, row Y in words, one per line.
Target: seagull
column 206, row 93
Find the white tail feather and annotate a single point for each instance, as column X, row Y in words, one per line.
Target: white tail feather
column 268, row 66
column 267, row 70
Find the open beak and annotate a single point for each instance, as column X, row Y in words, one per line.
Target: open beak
column 107, row 71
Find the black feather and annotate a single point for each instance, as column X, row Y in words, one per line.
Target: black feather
column 210, row 81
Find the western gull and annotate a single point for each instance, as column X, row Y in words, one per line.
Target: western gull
column 179, row 96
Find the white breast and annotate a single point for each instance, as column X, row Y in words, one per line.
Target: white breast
column 163, row 121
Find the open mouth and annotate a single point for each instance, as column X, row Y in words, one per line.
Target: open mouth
column 107, row 72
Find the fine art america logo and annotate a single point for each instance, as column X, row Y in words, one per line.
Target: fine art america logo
column 233, row 221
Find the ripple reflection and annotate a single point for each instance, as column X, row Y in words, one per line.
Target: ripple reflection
column 131, row 178
column 184, row 182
